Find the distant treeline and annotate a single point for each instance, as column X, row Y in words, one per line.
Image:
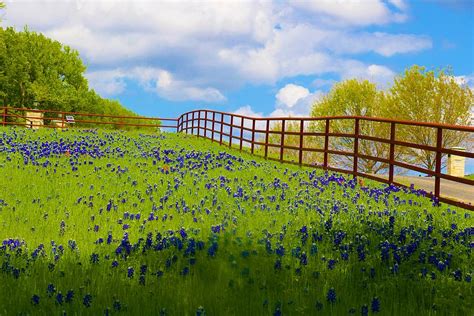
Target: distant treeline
column 36, row 71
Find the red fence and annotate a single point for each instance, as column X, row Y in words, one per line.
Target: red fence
column 291, row 140
column 231, row 129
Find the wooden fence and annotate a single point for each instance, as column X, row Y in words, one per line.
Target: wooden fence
column 291, row 140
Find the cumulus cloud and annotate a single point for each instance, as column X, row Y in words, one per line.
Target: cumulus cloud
column 355, row 12
column 378, row 74
column 194, row 50
column 294, row 100
column 159, row 81
column 108, row 82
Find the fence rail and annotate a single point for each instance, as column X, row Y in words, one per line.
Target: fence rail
column 289, row 139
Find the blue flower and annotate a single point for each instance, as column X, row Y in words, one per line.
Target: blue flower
column 94, row 258
column 87, row 300
column 59, row 298
column 69, row 296
column 331, row 295
column 130, row 272
column 375, row 305
column 364, row 310
column 35, row 299
column 331, row 264
column 200, row 311
column 50, row 289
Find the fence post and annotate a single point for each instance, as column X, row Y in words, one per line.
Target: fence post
column 267, row 129
column 253, row 136
column 231, row 129
column 282, row 139
column 187, row 123
column 222, row 128
column 192, row 124
column 241, row 132
column 213, row 124
column 392, row 152
column 199, row 124
column 205, row 123
column 439, row 145
column 5, row 111
column 300, row 158
column 356, row 147
column 326, row 144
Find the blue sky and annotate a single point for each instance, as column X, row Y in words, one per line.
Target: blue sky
column 251, row 57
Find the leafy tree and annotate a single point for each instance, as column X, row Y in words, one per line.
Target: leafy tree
column 354, row 98
column 429, row 96
column 36, row 71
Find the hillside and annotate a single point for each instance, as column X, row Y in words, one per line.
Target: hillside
column 94, row 222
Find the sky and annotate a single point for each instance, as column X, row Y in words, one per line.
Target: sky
column 260, row 58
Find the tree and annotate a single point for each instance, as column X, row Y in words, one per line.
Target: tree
column 429, row 96
column 354, row 98
column 37, row 71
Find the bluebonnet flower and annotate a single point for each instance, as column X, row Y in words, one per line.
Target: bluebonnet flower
column 304, row 259
column 50, row 289
column 468, row 278
column 375, row 305
column 200, row 311
column 331, row 264
column 94, row 258
column 331, row 295
column 35, row 299
column 441, row 266
column 115, row 264
column 130, row 272
column 117, row 306
column 277, row 265
column 69, row 296
column 87, row 300
column 59, row 298
column 457, row 275
column 364, row 310
column 185, row 271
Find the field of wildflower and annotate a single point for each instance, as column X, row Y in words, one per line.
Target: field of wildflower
column 127, row 223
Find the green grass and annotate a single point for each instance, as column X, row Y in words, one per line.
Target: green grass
column 261, row 207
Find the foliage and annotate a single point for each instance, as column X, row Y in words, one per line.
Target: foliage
column 417, row 95
column 95, row 222
column 355, row 98
column 429, row 96
column 36, row 71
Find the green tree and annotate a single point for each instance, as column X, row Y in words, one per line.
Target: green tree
column 354, row 98
column 36, row 71
column 429, row 96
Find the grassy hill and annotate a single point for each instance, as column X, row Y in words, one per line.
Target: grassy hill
column 144, row 224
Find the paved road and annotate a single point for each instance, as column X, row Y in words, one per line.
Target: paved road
column 454, row 190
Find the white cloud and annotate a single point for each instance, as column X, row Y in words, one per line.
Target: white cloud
column 108, row 82
column 155, row 80
column 465, row 80
column 247, row 110
column 378, row 74
column 355, row 12
column 294, row 100
column 290, row 94
column 381, row 43
column 198, row 50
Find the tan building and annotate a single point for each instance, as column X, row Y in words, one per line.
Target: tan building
column 34, row 120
